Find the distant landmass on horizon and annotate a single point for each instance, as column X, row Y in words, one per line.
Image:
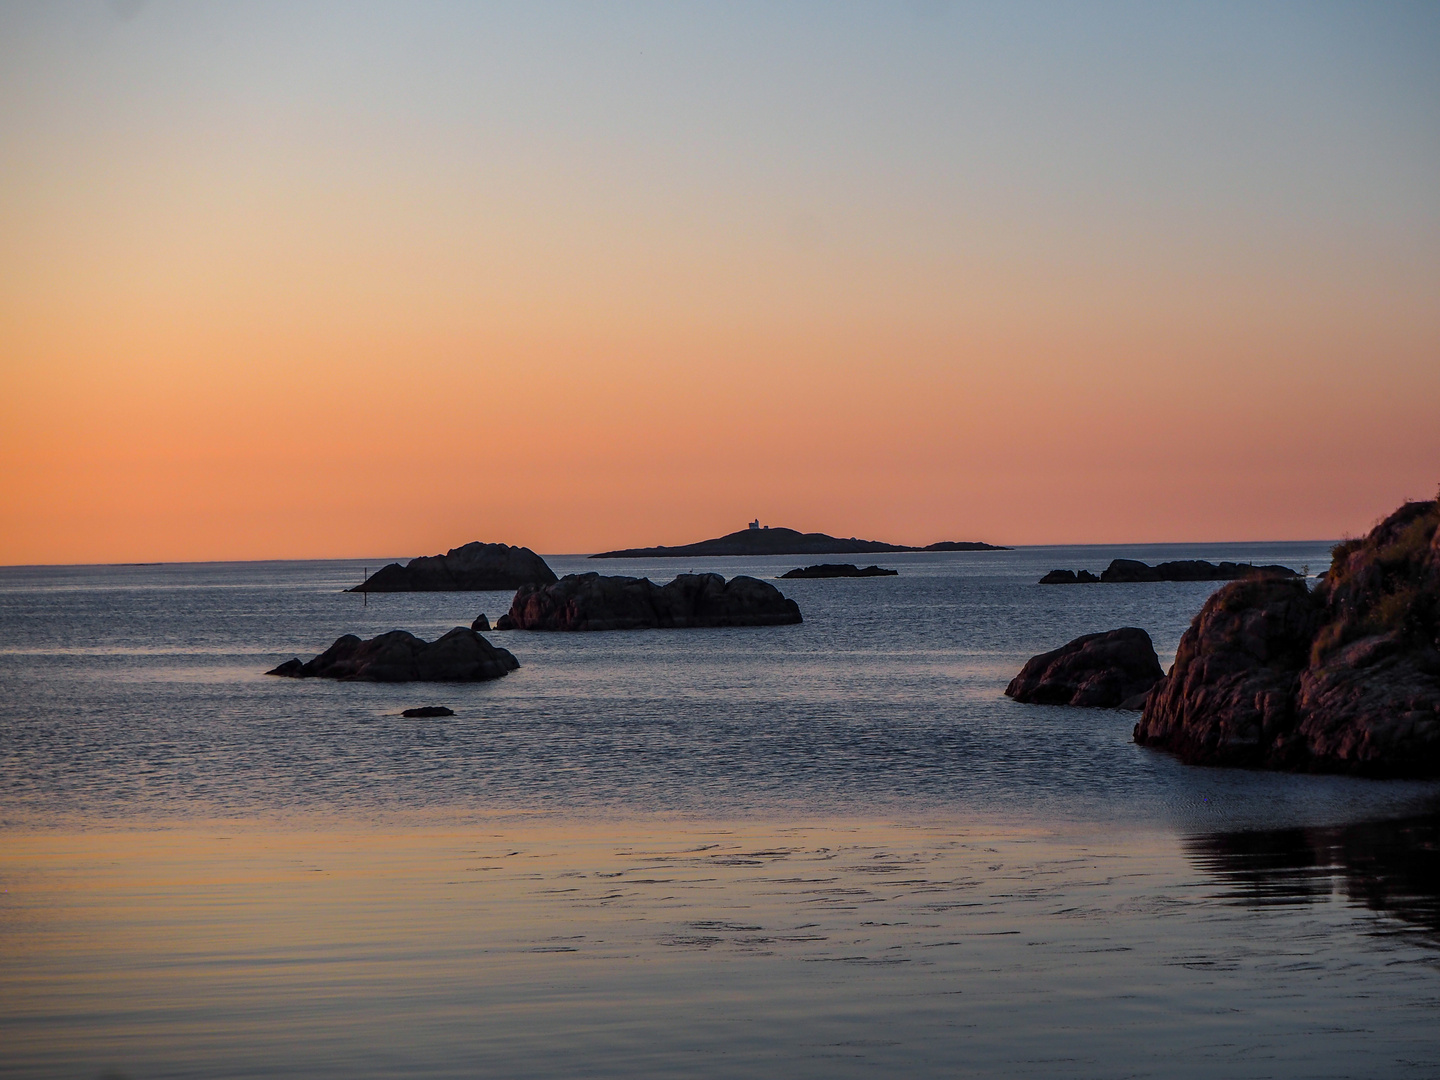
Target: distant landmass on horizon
column 756, row 540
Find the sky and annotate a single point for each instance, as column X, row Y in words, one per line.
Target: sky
column 325, row 280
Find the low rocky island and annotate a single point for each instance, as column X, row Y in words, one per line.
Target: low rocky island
column 1132, row 570
column 427, row 712
column 828, row 570
column 476, row 567
column 767, row 541
column 399, row 656
column 1112, row 670
column 593, row 602
column 1069, row 577
column 1342, row 679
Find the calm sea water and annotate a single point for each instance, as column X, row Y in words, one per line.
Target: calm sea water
column 827, row 849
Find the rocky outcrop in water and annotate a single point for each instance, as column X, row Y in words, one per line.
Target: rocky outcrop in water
column 828, row 570
column 1126, row 571
column 1346, row 678
column 593, row 602
column 476, row 567
column 399, row 656
column 1068, row 577
column 427, row 712
column 1111, row 670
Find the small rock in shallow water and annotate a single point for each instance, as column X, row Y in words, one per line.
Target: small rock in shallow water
column 1107, row 671
column 426, row 711
column 480, row 624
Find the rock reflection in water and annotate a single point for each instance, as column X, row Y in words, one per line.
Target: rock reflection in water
column 1392, row 867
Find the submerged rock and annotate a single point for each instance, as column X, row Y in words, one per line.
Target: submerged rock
column 593, row 602
column 399, row 656
column 1346, row 678
column 828, row 570
column 476, row 567
column 425, row 712
column 1108, row 670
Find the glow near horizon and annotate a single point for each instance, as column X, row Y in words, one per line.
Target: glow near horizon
column 325, row 280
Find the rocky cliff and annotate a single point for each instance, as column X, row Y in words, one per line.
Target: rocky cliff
column 1342, row 679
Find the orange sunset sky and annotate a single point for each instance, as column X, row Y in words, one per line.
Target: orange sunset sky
column 350, row 280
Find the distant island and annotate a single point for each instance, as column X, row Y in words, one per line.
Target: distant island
column 1126, row 571
column 757, row 540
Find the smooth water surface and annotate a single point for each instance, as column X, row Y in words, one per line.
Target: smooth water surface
column 820, row 850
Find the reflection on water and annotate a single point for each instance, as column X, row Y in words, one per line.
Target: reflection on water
column 651, row 947
column 1392, row 867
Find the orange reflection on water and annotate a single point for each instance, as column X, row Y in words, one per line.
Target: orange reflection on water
column 531, row 946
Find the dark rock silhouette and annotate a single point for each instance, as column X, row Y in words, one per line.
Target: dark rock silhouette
column 476, row 567
column 784, row 542
column 481, row 624
column 1129, row 570
column 1346, row 678
column 1126, row 571
column 958, row 545
column 592, row 602
column 1068, row 577
column 399, row 656
column 1108, row 670
column 425, row 712
column 505, row 622
column 828, row 570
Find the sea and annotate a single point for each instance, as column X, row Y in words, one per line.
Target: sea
column 834, row 849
